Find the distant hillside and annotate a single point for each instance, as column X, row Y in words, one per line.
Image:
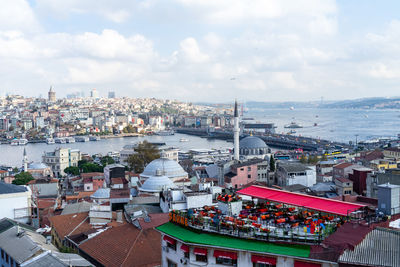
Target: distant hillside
column 362, row 103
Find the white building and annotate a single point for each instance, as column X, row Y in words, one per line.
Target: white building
column 15, row 202
column 290, row 173
column 168, row 167
column 217, row 251
column 61, row 158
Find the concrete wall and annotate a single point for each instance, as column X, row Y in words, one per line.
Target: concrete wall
column 198, row 201
column 10, row 202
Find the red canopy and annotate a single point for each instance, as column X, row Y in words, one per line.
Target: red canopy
column 185, row 248
column 263, row 259
column 305, row 264
column 200, row 251
column 225, row 254
column 301, row 200
column 169, row 240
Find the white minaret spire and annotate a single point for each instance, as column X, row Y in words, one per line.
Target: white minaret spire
column 25, row 161
column 236, row 131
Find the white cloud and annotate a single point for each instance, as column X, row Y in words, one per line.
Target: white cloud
column 17, row 15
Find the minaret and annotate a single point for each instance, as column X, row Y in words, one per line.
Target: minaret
column 25, row 161
column 236, row 131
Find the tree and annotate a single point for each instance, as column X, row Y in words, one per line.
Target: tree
column 22, row 178
column 107, row 160
column 272, row 164
column 72, row 170
column 324, row 157
column 303, row 158
column 145, row 153
column 91, row 167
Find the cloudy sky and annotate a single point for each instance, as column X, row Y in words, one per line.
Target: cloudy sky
column 202, row 50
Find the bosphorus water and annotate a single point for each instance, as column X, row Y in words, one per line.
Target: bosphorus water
column 332, row 124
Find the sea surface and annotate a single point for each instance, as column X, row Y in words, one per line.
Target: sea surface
column 13, row 155
column 333, row 124
column 340, row 125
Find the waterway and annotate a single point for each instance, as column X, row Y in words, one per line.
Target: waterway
column 332, row 124
column 12, row 155
column 340, row 125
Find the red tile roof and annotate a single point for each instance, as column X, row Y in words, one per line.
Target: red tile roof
column 91, row 174
column 125, row 245
column 70, row 224
column 344, row 180
column 343, row 165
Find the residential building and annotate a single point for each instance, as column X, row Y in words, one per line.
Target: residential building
column 60, row 159
column 20, row 245
column 391, row 176
column 392, row 152
column 242, row 173
column 344, row 186
column 290, row 173
column 45, row 187
column 15, row 202
column 359, row 178
column 343, row 169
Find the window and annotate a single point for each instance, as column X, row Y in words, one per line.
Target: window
column 202, row 258
column 171, row 263
column 248, row 169
column 2, row 254
column 249, row 176
column 226, row 261
column 263, row 265
column 171, row 246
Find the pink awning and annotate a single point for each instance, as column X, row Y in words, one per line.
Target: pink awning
column 301, row 200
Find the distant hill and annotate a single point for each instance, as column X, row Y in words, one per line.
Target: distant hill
column 362, row 103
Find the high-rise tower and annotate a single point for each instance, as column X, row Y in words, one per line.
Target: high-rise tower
column 52, row 95
column 236, row 132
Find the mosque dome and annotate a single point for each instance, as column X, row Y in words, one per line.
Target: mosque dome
column 157, row 183
column 168, row 167
column 252, row 146
column 37, row 166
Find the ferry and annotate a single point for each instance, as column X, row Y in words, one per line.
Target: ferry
column 81, row 138
column 183, row 140
column 165, row 132
column 293, row 125
column 94, row 138
column 70, row 140
column 60, row 140
column 19, row 142
column 50, row 141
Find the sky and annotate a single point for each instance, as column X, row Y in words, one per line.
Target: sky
column 204, row 50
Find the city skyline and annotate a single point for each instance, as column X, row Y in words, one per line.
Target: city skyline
column 266, row 50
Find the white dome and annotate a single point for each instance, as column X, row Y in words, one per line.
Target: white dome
column 157, row 183
column 168, row 167
column 37, row 166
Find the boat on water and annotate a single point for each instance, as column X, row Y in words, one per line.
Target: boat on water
column 293, row 125
column 247, row 119
column 165, row 132
column 291, row 132
column 183, row 140
column 50, row 141
column 94, row 138
column 60, row 140
column 315, row 124
column 19, row 142
column 70, row 140
column 81, row 138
